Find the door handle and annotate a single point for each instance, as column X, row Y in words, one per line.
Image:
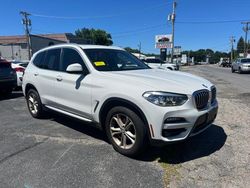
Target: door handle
column 59, row 78
column 36, row 74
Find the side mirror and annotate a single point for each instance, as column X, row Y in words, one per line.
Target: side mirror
column 74, row 68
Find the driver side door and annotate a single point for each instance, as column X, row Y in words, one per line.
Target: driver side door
column 73, row 90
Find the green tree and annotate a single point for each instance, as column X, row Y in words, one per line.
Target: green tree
column 131, row 50
column 240, row 45
column 201, row 55
column 95, row 36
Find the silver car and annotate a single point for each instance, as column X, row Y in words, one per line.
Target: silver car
column 241, row 65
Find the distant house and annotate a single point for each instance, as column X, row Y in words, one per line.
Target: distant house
column 15, row 47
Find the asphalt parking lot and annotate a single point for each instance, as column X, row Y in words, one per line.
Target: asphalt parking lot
column 62, row 152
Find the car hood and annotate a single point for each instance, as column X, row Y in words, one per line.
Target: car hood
column 161, row 80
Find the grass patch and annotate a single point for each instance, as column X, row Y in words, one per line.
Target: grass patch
column 170, row 172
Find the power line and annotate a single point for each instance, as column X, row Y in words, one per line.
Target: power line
column 123, row 33
column 211, row 22
column 99, row 17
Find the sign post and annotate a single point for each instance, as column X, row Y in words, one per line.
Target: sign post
column 163, row 42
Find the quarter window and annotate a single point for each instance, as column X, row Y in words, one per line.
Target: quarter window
column 39, row 59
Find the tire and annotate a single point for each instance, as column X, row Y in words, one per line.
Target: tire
column 130, row 128
column 240, row 71
column 34, row 104
column 232, row 70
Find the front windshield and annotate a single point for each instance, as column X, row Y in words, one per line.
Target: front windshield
column 113, row 60
column 245, row 60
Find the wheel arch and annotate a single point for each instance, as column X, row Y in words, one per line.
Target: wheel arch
column 28, row 87
column 113, row 102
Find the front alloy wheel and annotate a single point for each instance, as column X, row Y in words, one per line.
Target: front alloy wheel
column 126, row 131
column 123, row 131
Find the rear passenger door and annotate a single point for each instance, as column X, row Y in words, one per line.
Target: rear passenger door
column 73, row 91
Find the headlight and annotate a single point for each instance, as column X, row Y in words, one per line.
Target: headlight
column 164, row 98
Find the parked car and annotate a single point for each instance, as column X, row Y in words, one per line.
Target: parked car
column 19, row 67
column 241, row 65
column 156, row 63
column 224, row 62
column 7, row 77
column 133, row 103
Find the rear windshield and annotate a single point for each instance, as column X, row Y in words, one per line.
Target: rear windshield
column 5, row 65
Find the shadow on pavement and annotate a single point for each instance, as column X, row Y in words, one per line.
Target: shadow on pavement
column 89, row 129
column 13, row 95
column 195, row 147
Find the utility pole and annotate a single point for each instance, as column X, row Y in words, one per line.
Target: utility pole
column 27, row 23
column 232, row 41
column 139, row 46
column 246, row 29
column 173, row 24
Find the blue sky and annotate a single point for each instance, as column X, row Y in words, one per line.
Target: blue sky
column 131, row 22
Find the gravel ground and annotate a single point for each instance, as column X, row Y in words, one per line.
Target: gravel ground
column 229, row 166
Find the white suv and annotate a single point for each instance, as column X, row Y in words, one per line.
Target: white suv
column 133, row 103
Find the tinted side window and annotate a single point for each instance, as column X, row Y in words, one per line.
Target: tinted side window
column 38, row 61
column 52, row 59
column 71, row 56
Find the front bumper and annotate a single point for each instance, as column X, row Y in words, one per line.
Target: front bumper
column 245, row 69
column 188, row 122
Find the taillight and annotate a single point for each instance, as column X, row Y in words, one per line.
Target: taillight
column 19, row 69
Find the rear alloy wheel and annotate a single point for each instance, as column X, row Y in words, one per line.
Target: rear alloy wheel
column 232, row 70
column 34, row 103
column 126, row 131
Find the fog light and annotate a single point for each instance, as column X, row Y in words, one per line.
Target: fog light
column 174, row 120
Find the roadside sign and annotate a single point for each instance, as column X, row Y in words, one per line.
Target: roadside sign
column 163, row 41
column 177, row 50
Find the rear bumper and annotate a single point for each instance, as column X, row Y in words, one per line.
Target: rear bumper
column 7, row 83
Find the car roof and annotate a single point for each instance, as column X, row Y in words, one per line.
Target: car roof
column 83, row 46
